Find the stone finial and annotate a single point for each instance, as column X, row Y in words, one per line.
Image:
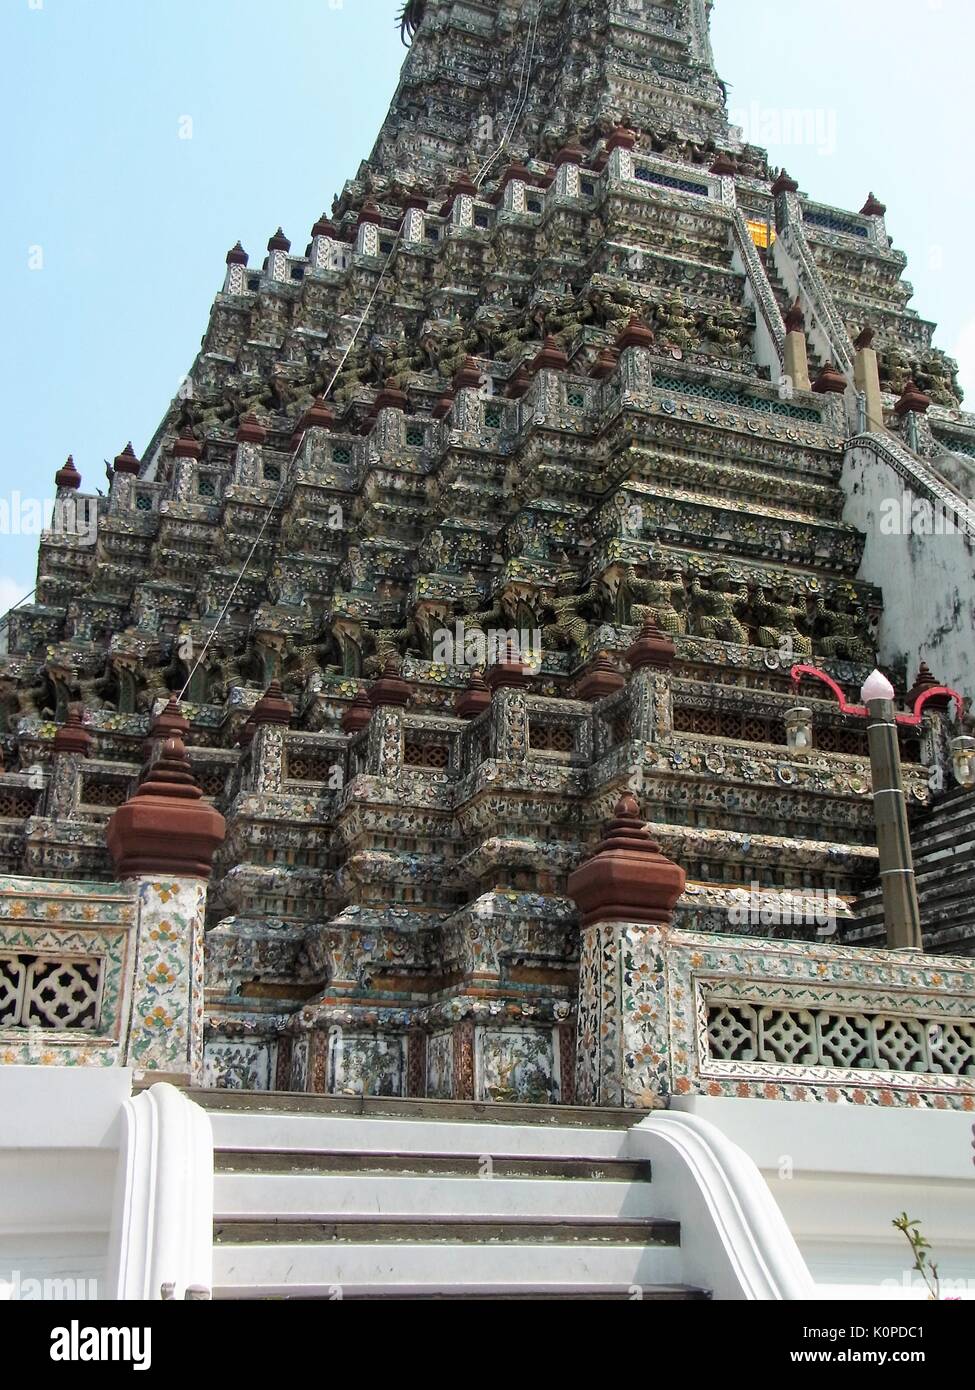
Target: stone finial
column 165, row 828
column 924, row 681
column 510, row 673
column 170, row 722
column 68, row 476
column 912, row 400
column 795, row 319
column 187, row 446
column 627, row 879
column 784, row 184
column 279, row 242
column 635, row 334
column 390, row 398
column 460, row 187
column 570, row 153
column 474, row 699
column 127, row 462
column 873, row 207
column 550, row 357
column 621, row 138
column 724, row 165
column 864, row 339
column 237, row 255
column 358, row 714
column 605, row 364
column 652, row 648
column 324, row 227
column 391, row 688
column 272, row 707
column 416, row 201
column 443, row 406
column 318, row 416
column 829, row 381
column 251, row 431
column 468, row 374
column 369, row 212
column 73, row 737
column 600, row 678
column 518, row 383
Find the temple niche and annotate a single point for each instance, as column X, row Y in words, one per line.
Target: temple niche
column 546, row 540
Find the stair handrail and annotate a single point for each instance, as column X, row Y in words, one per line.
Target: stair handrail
column 162, row 1228
column 792, row 236
column 734, row 1239
column 759, row 281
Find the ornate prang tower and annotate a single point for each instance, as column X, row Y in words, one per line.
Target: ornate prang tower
column 578, row 499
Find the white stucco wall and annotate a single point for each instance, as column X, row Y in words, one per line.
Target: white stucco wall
column 928, row 580
column 60, row 1129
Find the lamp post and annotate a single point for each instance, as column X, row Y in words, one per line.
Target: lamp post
column 901, row 914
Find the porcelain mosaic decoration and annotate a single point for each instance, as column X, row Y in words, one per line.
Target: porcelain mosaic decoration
column 572, row 511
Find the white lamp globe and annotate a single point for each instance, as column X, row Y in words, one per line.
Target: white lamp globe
column 876, row 687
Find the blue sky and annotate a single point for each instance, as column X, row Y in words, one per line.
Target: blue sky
column 115, row 224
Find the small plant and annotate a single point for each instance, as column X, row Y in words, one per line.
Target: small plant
column 920, row 1246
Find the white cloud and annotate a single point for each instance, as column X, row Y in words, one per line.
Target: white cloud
column 11, row 592
column 965, row 353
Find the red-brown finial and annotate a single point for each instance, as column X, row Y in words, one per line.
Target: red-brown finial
column 272, row 707
column 68, row 476
column 627, row 879
column 73, row 737
column 165, row 828
column 474, row 699
column 358, row 714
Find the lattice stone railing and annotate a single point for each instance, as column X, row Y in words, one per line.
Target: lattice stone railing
column 738, row 1031
column 102, row 974
column 667, row 1013
column 50, row 991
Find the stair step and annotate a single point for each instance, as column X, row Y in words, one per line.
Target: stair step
column 424, row 1230
column 375, row 1164
column 300, row 1103
column 945, row 836
column 278, row 1133
column 307, row 1197
column 348, row 1270
column 553, row 1293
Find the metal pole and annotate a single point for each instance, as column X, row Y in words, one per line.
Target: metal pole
column 901, row 914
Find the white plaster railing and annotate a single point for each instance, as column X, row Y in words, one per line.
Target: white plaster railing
column 758, row 280
column 734, row 1238
column 162, row 1234
column 792, row 240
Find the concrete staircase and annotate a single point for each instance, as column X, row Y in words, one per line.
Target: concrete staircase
column 944, row 863
column 366, row 1198
column 784, row 301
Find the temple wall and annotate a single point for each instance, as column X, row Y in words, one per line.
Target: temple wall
column 665, row 1013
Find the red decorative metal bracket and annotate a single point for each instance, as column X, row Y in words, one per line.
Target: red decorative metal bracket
column 861, row 711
